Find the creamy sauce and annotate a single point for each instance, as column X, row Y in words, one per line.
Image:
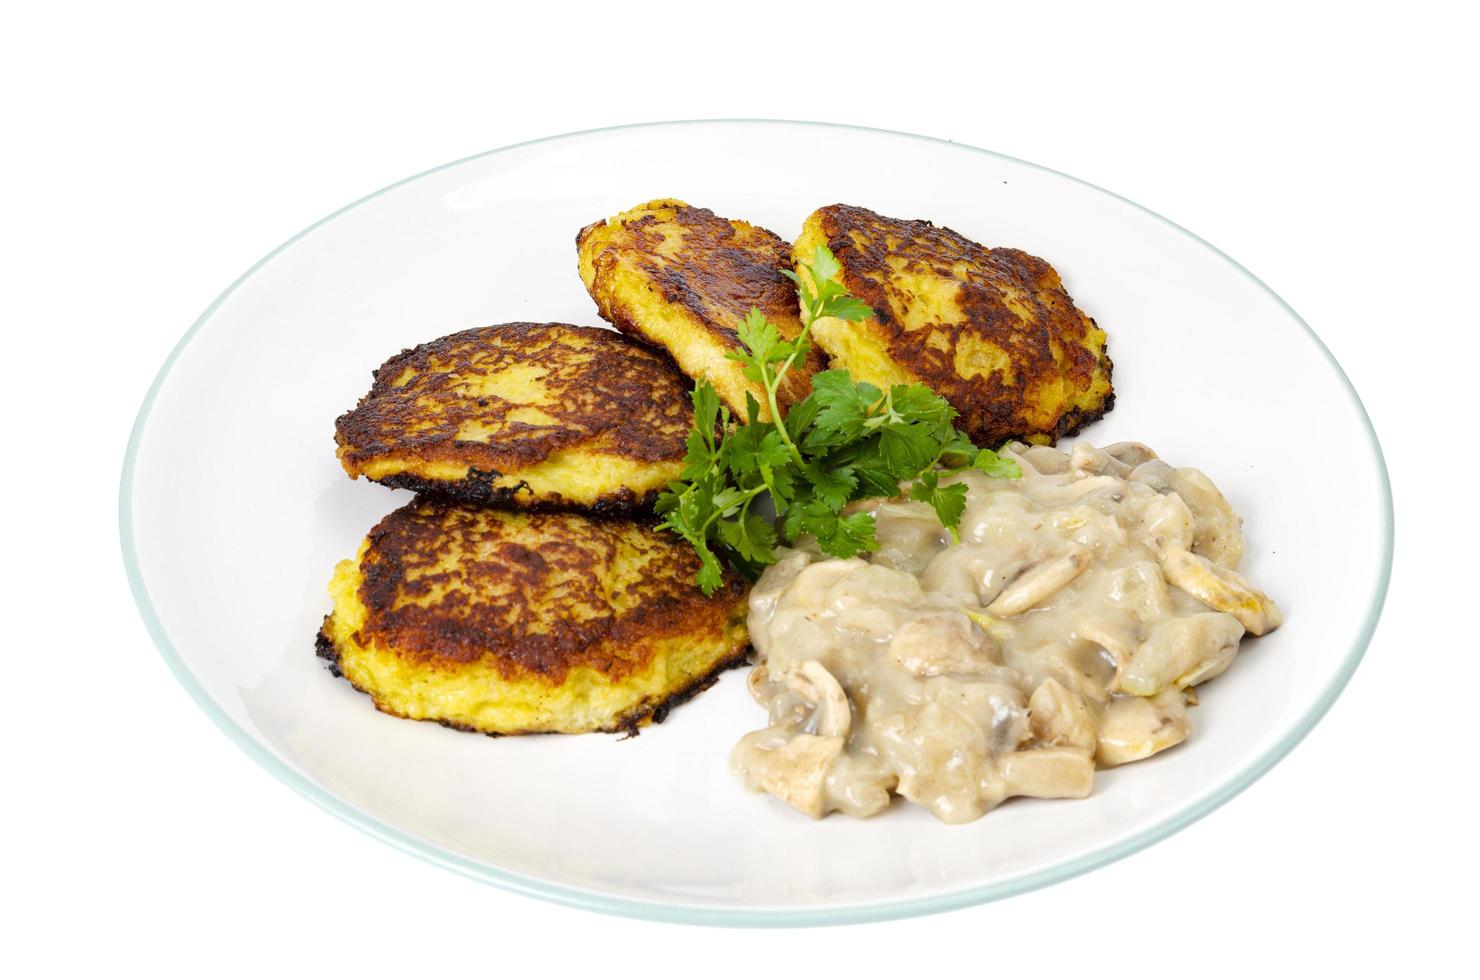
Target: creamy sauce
column 1065, row 629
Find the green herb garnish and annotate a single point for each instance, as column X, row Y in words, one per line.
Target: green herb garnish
column 847, row 440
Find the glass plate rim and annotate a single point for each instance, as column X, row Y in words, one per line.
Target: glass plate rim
column 725, row 915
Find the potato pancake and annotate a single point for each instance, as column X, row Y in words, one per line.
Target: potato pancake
column 683, row 279
column 523, row 414
column 991, row 330
column 516, row 622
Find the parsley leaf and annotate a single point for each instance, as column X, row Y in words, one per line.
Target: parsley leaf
column 822, row 294
column 843, row 407
column 711, row 574
column 833, row 487
column 848, row 536
column 906, row 449
column 993, row 465
column 846, row 440
column 949, row 501
column 751, row 536
column 754, row 446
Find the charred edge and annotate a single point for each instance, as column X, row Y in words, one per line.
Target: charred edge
column 628, row 726
column 1069, row 424
column 478, row 488
column 459, row 727
column 614, row 388
column 324, row 649
column 1077, row 419
column 1074, row 421
column 658, row 713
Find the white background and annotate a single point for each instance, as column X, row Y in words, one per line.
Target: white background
column 154, row 152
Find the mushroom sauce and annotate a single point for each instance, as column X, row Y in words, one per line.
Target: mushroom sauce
column 1066, row 628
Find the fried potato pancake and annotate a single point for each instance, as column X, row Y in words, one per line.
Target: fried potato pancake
column 517, row 622
column 523, row 414
column 991, row 330
column 683, row 279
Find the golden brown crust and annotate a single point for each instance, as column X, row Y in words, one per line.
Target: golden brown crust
column 532, row 594
column 482, row 487
column 497, row 400
column 629, row 723
column 1045, row 373
column 712, row 269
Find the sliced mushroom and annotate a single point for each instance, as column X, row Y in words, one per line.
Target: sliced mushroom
column 1049, row 773
column 1140, row 588
column 1155, row 474
column 1182, row 652
column 1083, row 672
column 813, row 585
column 1115, row 641
column 1059, row 717
column 997, row 629
column 1085, row 525
column 793, row 769
column 1084, row 458
column 807, row 635
column 777, row 579
column 1077, row 489
column 812, row 682
column 991, row 518
column 994, row 708
column 1041, row 459
column 970, row 573
column 1222, row 589
column 1135, row 728
column 945, row 643
column 1041, row 581
column 909, row 534
column 1116, row 638
column 1167, row 524
column 940, row 747
column 859, row 785
column 1217, row 530
column 1132, row 454
column 871, row 599
column 762, row 687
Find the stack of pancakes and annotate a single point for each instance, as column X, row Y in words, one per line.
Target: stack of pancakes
column 525, row 589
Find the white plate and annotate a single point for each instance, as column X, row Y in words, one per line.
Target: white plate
column 234, row 510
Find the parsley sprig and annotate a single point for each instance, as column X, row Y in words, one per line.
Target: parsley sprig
column 846, row 441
